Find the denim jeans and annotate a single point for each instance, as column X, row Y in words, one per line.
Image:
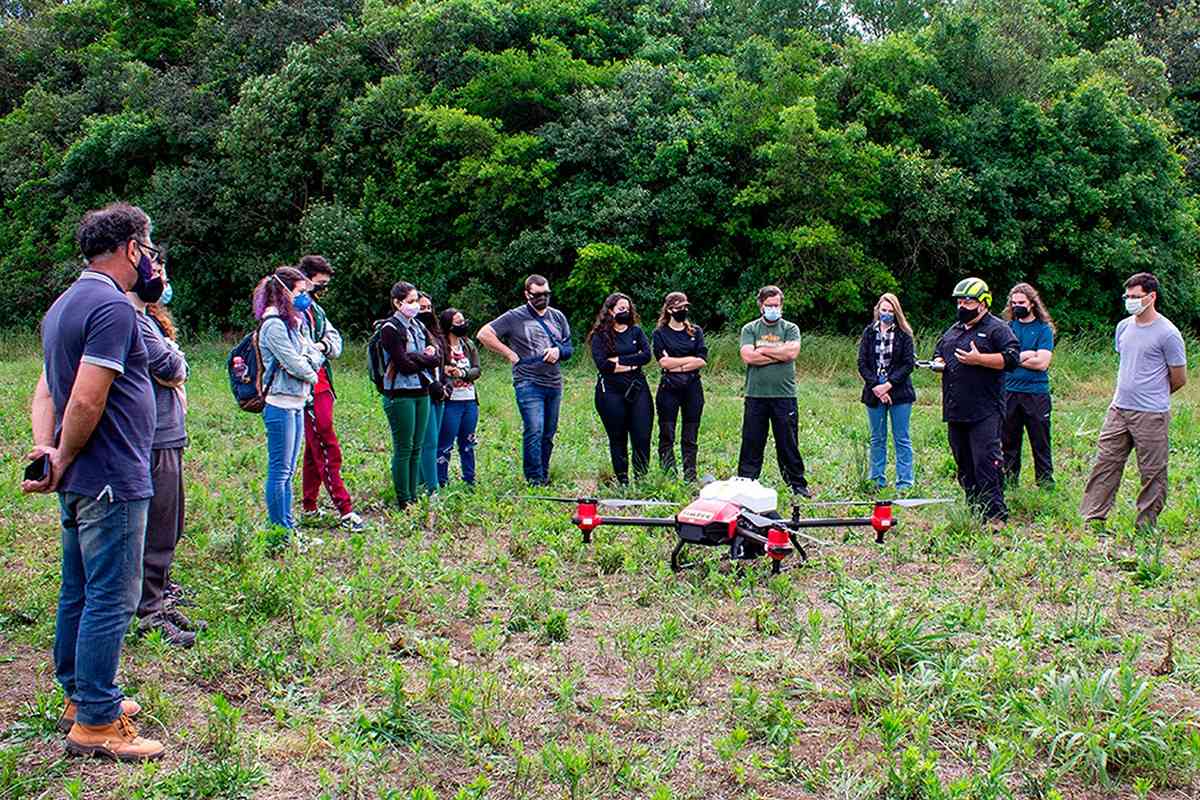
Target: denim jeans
column 900, row 416
column 539, row 419
column 459, row 421
column 102, row 546
column 285, row 434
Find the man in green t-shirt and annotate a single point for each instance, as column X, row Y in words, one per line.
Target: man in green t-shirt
column 770, row 345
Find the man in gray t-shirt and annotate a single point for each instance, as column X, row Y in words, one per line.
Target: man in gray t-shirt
column 1153, row 366
column 535, row 339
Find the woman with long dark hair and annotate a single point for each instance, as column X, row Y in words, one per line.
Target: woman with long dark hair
column 1027, row 388
column 289, row 364
column 427, row 316
column 461, row 415
column 679, row 347
column 620, row 350
column 411, row 355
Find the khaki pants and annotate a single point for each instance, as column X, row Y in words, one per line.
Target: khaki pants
column 1145, row 432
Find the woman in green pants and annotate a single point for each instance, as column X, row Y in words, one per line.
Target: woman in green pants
column 410, row 356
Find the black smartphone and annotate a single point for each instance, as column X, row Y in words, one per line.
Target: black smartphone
column 38, row 469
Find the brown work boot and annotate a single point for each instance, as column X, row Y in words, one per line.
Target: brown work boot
column 129, row 707
column 118, row 740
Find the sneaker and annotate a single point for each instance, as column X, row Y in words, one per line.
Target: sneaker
column 180, row 621
column 118, row 741
column 171, row 633
column 176, row 595
column 802, row 491
column 129, row 708
column 352, row 521
column 310, row 517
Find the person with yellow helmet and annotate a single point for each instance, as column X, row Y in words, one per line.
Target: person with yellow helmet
column 973, row 356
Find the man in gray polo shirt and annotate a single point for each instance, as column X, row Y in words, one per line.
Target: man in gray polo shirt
column 1153, row 366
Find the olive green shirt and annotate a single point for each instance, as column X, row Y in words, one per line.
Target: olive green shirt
column 770, row 380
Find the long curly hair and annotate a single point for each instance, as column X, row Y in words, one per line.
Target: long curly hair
column 275, row 291
column 674, row 300
column 166, row 323
column 604, row 321
column 1035, row 304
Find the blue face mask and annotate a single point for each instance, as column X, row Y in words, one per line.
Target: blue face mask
column 772, row 313
column 302, row 302
column 886, row 318
column 167, row 294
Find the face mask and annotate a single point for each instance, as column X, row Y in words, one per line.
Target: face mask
column 410, row 310
column 623, row 318
column 460, row 330
column 887, row 318
column 426, row 318
column 679, row 314
column 967, row 315
column 539, row 301
column 1134, row 305
column 302, row 302
column 772, row 313
column 1020, row 312
column 167, row 294
column 146, row 287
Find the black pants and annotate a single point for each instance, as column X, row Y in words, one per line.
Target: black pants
column 669, row 401
column 1028, row 412
column 781, row 415
column 164, row 524
column 628, row 416
column 976, row 448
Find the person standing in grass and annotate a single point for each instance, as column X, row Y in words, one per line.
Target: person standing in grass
column 322, row 450
column 973, row 356
column 410, row 357
column 1027, row 388
column 769, row 347
column 1153, row 366
column 535, row 339
column 886, row 357
column 679, row 347
column 289, row 366
column 620, row 349
column 437, row 395
column 93, row 419
column 164, row 521
column 461, row 415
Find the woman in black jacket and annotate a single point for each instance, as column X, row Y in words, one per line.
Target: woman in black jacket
column 620, row 349
column 885, row 362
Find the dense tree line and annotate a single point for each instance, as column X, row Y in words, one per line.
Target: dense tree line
column 838, row 147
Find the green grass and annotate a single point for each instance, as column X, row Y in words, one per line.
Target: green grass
column 475, row 648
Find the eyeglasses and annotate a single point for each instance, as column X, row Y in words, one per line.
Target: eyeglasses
column 317, row 288
column 157, row 254
column 1128, row 296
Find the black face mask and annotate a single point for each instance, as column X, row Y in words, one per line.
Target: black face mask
column 1020, row 312
column 967, row 315
column 539, row 301
column 426, row 318
column 147, row 289
column 679, row 314
column 460, row 330
column 623, row 318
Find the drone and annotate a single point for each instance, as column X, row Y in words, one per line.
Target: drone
column 738, row 514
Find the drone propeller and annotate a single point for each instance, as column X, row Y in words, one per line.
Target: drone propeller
column 616, row 502
column 904, row 502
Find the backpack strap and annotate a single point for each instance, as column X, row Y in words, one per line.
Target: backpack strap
column 264, row 390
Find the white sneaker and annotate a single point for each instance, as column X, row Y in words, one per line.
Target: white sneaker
column 352, row 521
column 304, row 543
column 313, row 516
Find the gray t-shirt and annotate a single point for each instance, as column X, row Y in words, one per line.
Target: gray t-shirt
column 1146, row 352
column 530, row 336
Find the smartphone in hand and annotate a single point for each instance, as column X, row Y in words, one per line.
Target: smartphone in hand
column 38, row 470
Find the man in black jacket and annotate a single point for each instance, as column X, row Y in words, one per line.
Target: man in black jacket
column 974, row 354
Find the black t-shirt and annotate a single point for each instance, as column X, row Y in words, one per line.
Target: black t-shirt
column 971, row 393
column 630, row 346
column 679, row 344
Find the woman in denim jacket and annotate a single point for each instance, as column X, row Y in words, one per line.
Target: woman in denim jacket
column 289, row 364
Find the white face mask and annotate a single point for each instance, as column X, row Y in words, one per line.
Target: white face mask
column 1134, row 305
column 410, row 310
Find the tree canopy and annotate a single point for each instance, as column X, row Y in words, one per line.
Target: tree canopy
column 839, row 149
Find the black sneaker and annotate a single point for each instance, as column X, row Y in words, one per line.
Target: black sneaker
column 171, row 633
column 177, row 618
column 803, row 491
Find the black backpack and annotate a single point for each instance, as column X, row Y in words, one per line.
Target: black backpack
column 377, row 361
column 245, row 366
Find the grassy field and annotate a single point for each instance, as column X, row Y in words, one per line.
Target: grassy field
column 474, row 648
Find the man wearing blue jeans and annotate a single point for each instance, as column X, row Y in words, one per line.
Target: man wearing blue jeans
column 534, row 338
column 93, row 418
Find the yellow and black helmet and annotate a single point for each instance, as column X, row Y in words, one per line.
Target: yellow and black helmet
column 973, row 289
